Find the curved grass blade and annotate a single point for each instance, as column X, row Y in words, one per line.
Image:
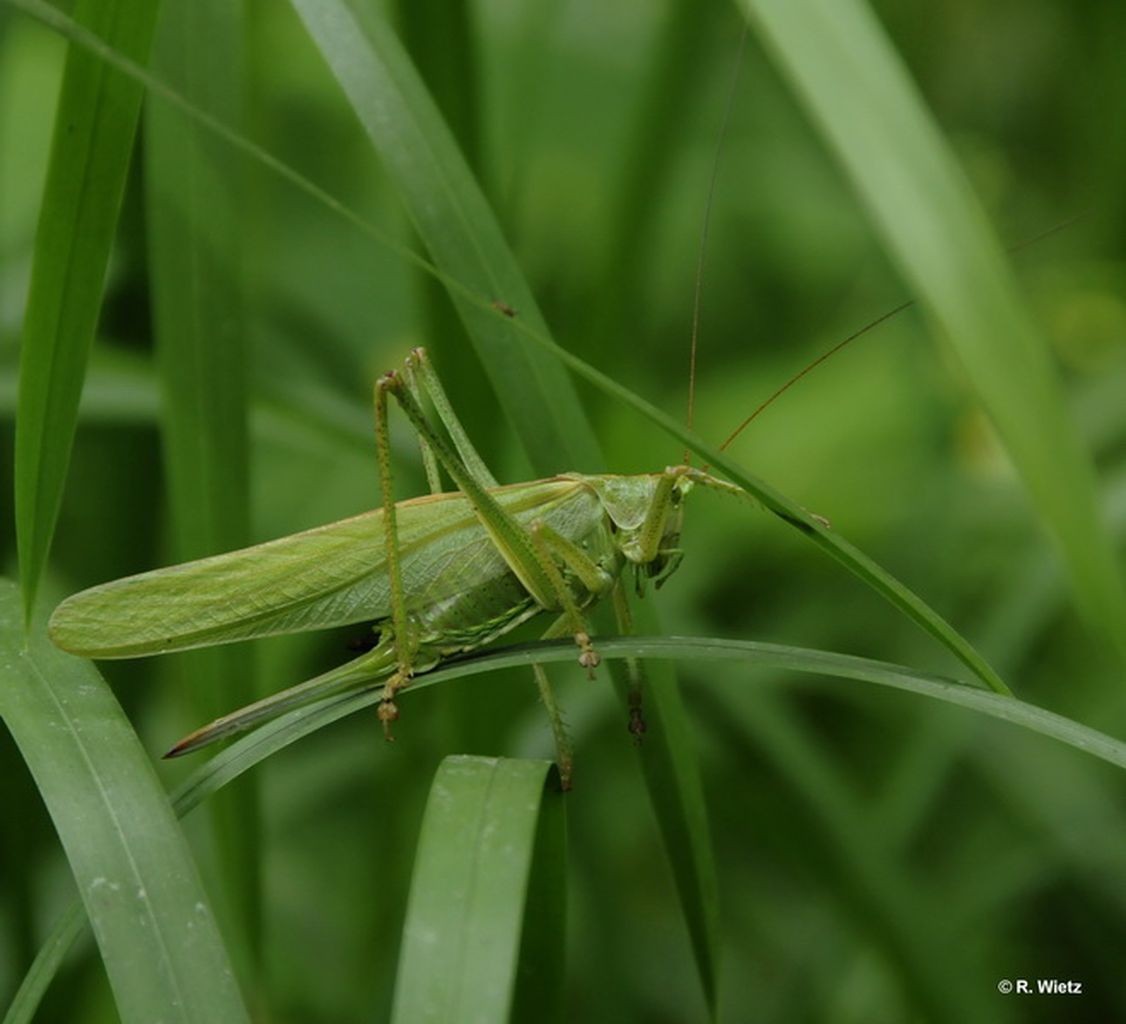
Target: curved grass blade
column 47, row 962
column 192, row 199
column 159, row 941
column 870, row 113
column 457, row 226
column 666, row 113
column 248, row 751
column 93, row 139
column 473, row 296
column 563, row 440
column 850, row 557
column 465, row 241
column 441, row 38
column 688, row 844
column 671, row 769
column 491, row 850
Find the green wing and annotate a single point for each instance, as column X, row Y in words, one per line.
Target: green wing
column 329, row 576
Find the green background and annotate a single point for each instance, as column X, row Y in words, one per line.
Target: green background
column 873, row 849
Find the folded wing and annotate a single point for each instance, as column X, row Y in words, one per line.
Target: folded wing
column 329, row 576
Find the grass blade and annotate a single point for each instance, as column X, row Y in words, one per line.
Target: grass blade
column 688, row 844
column 47, row 961
column 440, row 37
column 195, row 268
column 158, row 938
column 834, row 545
column 672, row 770
column 465, row 241
column 665, row 116
column 670, row 766
column 490, row 828
column 350, row 54
column 777, row 657
column 850, row 557
column 93, row 140
column 869, row 112
column 250, row 750
column 459, row 229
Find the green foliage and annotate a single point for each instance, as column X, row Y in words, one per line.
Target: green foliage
column 197, row 281
column 848, row 853
column 491, row 843
column 93, row 140
column 155, row 928
column 935, row 230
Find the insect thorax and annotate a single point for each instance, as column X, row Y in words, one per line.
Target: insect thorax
column 627, row 502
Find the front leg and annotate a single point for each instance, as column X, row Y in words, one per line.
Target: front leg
column 549, row 545
column 563, row 625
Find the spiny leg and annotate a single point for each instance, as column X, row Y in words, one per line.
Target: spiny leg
column 509, row 536
column 429, row 462
column 653, row 526
column 467, row 472
column 388, row 711
column 564, row 754
column 624, row 618
column 549, row 545
column 651, row 535
column 420, row 370
column 526, row 552
column 588, row 656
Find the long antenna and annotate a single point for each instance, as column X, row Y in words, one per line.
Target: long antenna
column 701, row 252
column 871, row 325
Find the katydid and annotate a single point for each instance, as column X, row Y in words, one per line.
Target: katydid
column 439, row 575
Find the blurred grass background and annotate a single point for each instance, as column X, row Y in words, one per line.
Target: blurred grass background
column 874, row 851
